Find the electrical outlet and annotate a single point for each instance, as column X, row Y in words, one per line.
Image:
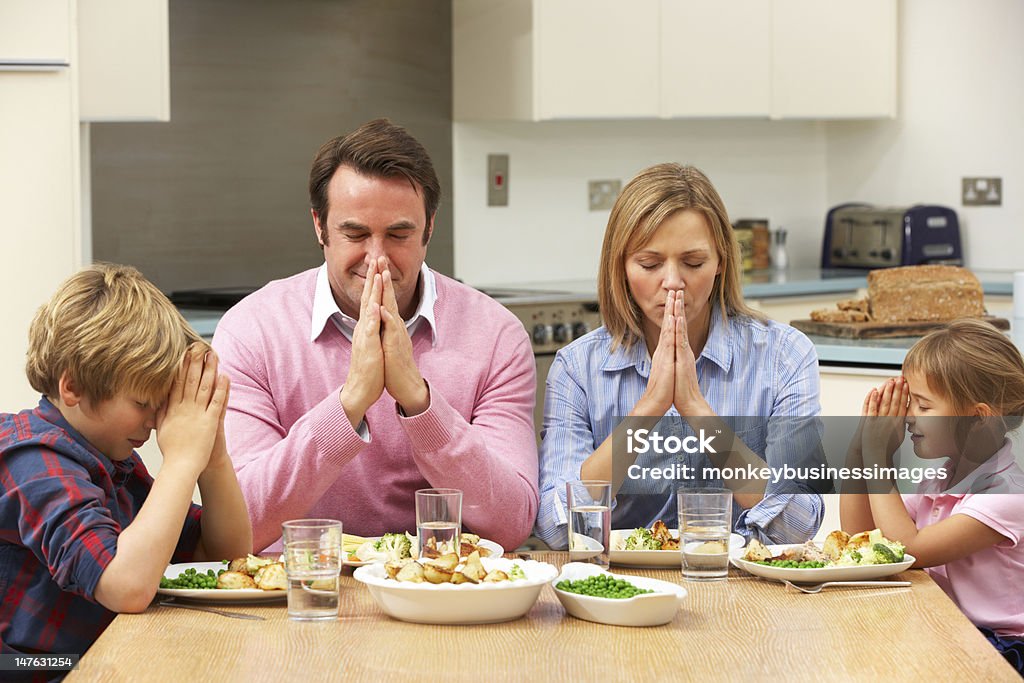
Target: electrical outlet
column 602, row 193
column 497, row 180
column 982, row 192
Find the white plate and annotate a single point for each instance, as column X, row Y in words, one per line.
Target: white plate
column 649, row 609
column 496, row 551
column 464, row 603
column 655, row 558
column 215, row 595
column 851, row 573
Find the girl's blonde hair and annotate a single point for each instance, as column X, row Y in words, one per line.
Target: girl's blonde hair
column 970, row 362
column 112, row 331
column 644, row 204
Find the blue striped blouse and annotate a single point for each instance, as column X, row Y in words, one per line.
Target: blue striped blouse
column 747, row 369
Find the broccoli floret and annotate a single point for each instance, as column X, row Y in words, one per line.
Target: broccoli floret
column 395, row 546
column 642, row 539
column 856, row 556
column 516, row 573
column 888, row 553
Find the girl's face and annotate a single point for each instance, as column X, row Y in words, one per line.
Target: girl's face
column 681, row 255
column 931, row 420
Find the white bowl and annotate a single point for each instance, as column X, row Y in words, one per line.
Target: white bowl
column 649, row 609
column 464, row 603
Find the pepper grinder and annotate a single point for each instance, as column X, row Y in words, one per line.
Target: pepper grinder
column 780, row 259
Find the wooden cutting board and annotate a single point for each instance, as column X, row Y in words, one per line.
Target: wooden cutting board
column 879, row 330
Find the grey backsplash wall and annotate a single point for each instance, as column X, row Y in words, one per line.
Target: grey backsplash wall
column 217, row 196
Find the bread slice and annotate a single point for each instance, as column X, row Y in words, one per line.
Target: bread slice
column 854, row 305
column 924, row 293
column 834, row 315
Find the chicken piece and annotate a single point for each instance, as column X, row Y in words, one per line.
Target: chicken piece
column 238, row 564
column 812, row 553
column 757, row 552
column 661, row 533
column 835, row 543
column 858, row 541
column 271, row 577
column 235, row 581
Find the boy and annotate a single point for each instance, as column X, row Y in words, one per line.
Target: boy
column 85, row 531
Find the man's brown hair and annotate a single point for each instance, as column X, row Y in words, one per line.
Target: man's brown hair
column 378, row 149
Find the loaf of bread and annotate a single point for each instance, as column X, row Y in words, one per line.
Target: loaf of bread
column 924, row 293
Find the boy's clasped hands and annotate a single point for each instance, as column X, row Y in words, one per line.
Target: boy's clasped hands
column 190, row 423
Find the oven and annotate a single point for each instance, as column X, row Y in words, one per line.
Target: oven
column 553, row 318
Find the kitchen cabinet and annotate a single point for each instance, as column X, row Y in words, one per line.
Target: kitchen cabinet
column 578, row 59
column 123, row 61
column 834, row 59
column 40, row 213
column 35, row 34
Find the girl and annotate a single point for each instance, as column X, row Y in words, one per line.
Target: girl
column 961, row 392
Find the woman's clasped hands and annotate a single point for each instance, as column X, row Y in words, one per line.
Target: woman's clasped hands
column 673, row 379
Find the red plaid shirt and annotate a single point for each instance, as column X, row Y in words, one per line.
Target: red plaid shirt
column 62, row 506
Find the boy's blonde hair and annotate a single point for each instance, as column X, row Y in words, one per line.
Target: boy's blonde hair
column 112, row 331
column 645, row 203
column 970, row 362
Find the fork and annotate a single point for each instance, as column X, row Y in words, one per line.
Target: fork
column 816, row 588
column 223, row 613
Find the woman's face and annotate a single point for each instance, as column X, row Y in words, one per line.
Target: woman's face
column 681, row 255
column 931, row 420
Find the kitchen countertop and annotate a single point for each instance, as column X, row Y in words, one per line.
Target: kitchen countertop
column 766, row 284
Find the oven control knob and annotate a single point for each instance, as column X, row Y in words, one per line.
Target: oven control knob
column 541, row 334
column 579, row 329
column 560, row 333
column 887, row 254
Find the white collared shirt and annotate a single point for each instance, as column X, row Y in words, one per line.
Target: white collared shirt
column 326, row 308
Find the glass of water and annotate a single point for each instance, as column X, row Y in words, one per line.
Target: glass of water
column 438, row 521
column 705, row 522
column 312, row 561
column 590, row 521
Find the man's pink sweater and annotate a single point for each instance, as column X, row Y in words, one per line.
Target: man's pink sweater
column 297, row 455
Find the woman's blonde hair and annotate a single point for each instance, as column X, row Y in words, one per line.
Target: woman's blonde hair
column 644, row 204
column 970, row 362
column 112, row 331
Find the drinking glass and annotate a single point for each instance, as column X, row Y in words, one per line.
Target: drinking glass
column 705, row 522
column 438, row 521
column 590, row 521
column 312, row 561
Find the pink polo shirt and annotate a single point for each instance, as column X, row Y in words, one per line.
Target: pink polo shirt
column 986, row 585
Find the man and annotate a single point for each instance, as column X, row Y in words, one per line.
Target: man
column 358, row 382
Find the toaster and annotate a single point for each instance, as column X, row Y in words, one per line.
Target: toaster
column 867, row 236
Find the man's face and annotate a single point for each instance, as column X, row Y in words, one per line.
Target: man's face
column 368, row 217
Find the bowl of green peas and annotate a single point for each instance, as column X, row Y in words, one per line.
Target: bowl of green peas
column 588, row 592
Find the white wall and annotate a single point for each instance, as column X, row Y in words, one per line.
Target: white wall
column 761, row 168
column 961, row 113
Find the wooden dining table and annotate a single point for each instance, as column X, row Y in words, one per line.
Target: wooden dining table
column 738, row 629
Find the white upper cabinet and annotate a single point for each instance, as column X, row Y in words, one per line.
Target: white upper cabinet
column 834, row 59
column 35, row 33
column 716, row 58
column 124, row 64
column 578, row 59
column 595, row 58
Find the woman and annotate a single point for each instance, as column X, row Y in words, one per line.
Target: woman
column 679, row 354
